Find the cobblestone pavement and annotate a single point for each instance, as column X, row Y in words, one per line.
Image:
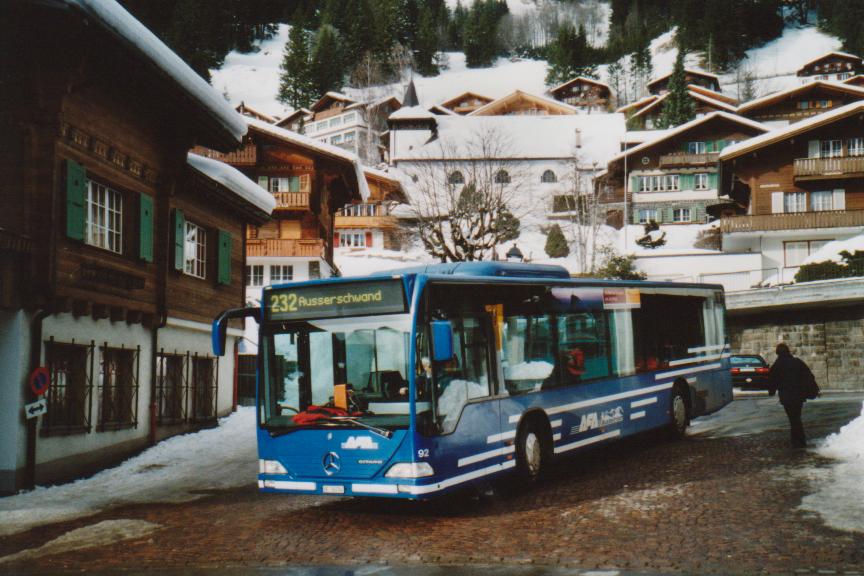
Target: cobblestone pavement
column 703, row 505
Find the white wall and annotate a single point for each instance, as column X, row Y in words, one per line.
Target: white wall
column 733, row 271
column 14, row 365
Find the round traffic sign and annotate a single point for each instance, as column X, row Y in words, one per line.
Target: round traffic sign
column 39, row 381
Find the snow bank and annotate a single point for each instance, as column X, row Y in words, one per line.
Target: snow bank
column 175, row 470
column 839, row 498
column 831, row 250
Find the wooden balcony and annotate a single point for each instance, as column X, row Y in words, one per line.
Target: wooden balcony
column 793, row 221
column 821, row 168
column 365, row 221
column 682, row 159
column 246, row 156
column 291, row 200
column 280, row 247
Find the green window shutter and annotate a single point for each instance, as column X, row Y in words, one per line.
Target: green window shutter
column 145, row 228
column 685, row 147
column 264, row 182
column 294, row 184
column 224, row 274
column 721, row 144
column 76, row 192
column 179, row 239
column 634, row 184
column 709, row 146
column 712, row 180
column 686, row 182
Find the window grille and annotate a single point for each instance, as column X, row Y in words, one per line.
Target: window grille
column 205, row 380
column 71, row 368
column 118, row 388
column 172, row 387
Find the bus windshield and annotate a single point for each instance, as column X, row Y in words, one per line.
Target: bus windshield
column 306, row 361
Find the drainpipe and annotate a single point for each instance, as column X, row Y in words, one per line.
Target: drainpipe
column 32, row 431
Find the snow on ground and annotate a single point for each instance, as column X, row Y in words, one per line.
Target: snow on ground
column 839, row 495
column 175, row 470
column 99, row 534
column 831, row 250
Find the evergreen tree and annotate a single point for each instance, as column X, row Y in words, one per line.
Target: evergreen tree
column 678, row 107
column 569, row 56
column 556, row 244
column 326, row 69
column 295, row 81
column 426, row 47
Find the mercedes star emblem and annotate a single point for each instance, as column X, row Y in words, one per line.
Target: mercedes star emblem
column 331, row 463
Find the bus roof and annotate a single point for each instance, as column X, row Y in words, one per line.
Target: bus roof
column 501, row 269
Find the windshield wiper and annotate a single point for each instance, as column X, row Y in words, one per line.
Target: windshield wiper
column 353, row 420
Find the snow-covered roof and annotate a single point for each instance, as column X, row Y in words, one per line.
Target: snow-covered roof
column 110, row 16
column 671, row 133
column 691, row 71
column 638, row 103
column 302, row 141
column 712, row 94
column 829, row 54
column 521, row 94
column 526, row 137
column 304, row 112
column 411, row 113
column 441, row 110
column 695, row 95
column 831, row 250
column 233, row 180
column 578, row 79
column 330, row 96
column 771, row 98
column 783, row 134
column 639, row 136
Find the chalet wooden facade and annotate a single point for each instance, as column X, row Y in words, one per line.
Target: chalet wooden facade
column 698, row 77
column 673, row 179
column 803, row 186
column 371, row 224
column 519, row 103
column 801, row 102
column 837, row 66
column 100, row 275
column 647, row 113
column 585, row 93
column 466, row 103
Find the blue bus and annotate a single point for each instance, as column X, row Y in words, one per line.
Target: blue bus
column 416, row 382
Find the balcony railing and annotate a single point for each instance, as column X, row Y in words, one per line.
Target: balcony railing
column 292, row 200
column 828, row 167
column 246, row 156
column 281, row 247
column 793, row 221
column 681, row 159
column 365, row 221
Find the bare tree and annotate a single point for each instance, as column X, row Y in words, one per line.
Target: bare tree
column 581, row 205
column 464, row 198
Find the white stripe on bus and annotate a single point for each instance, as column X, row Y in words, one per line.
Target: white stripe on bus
column 587, row 441
column 485, row 455
column 556, row 436
column 467, row 477
column 286, row 485
column 374, row 488
column 708, row 348
column 502, row 436
column 682, row 372
column 637, row 415
column 695, row 359
column 556, row 423
column 605, row 399
column 643, row 402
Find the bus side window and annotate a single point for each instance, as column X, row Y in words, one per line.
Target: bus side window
column 583, row 347
column 466, row 375
column 528, row 353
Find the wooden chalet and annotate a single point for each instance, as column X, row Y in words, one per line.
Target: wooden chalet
column 837, row 66
column 673, row 178
column 519, row 103
column 245, row 110
column 698, row 77
column 802, row 185
column 857, row 80
column 800, row 102
column 370, row 224
column 584, row 93
column 114, row 248
column 647, row 116
column 466, row 103
column 296, row 121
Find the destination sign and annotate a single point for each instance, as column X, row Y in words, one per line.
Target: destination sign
column 336, row 300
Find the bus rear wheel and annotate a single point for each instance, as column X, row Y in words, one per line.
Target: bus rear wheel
column 680, row 413
column 532, row 451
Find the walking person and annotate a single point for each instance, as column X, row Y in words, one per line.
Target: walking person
column 791, row 377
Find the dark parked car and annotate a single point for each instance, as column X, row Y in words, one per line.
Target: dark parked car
column 749, row 372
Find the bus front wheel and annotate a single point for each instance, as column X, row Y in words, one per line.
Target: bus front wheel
column 532, row 451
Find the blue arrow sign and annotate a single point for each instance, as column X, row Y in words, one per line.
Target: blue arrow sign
column 36, row 408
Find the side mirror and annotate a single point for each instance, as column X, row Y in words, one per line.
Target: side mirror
column 220, row 326
column 442, row 340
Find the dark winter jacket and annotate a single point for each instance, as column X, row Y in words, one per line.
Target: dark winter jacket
column 789, row 376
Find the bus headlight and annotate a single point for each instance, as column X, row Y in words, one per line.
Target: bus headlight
column 410, row 470
column 271, row 467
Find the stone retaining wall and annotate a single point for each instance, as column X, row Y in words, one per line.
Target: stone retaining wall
column 830, row 341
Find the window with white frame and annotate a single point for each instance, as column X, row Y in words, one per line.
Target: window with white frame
column 681, row 214
column 281, row 273
column 822, row 200
column 195, row 251
column 795, row 252
column 647, row 214
column 355, row 239
column 659, row 183
column 700, row 181
column 103, row 221
column 855, row 146
column 348, row 118
column 795, row 202
column 348, row 137
column 255, row 275
column 696, row 148
column 831, row 148
column 360, row 210
column 335, row 121
column 299, row 183
column 337, row 139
